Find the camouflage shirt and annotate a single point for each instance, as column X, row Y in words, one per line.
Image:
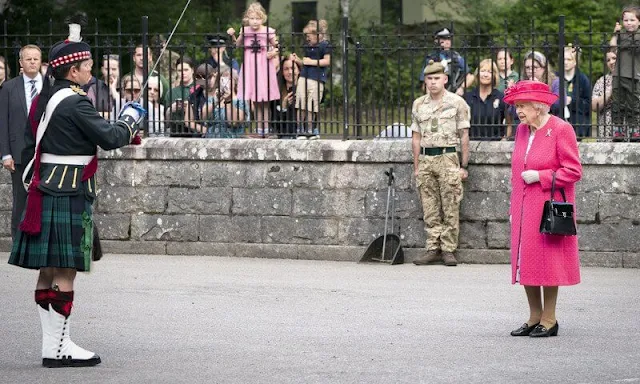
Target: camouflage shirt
column 439, row 124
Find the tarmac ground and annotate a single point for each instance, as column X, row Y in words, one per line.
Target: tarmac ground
column 191, row 319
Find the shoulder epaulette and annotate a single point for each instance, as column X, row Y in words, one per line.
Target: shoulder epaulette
column 78, row 90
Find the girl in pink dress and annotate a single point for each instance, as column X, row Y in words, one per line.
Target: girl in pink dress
column 258, row 81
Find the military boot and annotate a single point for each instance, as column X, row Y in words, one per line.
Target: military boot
column 449, row 259
column 430, row 257
column 58, row 349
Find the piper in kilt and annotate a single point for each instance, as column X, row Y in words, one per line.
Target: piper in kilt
column 56, row 235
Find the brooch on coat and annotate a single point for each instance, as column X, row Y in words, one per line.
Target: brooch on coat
column 548, row 132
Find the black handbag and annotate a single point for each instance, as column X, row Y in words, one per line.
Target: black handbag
column 557, row 216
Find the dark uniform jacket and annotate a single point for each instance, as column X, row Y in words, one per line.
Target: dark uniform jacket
column 75, row 128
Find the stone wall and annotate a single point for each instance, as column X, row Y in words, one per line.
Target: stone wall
column 326, row 200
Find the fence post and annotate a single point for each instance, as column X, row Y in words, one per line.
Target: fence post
column 358, row 90
column 561, row 44
column 145, row 65
column 345, row 77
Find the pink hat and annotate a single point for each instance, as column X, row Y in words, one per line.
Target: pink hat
column 529, row 90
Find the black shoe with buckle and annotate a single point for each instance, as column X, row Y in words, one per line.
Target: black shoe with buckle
column 524, row 330
column 542, row 331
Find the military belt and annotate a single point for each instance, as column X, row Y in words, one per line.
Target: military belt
column 435, row 151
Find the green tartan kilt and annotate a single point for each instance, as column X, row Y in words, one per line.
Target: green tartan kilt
column 66, row 238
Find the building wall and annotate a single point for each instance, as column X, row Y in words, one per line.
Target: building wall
column 326, row 199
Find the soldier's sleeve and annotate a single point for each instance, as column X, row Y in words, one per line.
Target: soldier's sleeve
column 414, row 117
column 463, row 115
column 98, row 130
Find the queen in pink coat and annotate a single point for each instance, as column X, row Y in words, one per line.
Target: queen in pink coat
column 544, row 144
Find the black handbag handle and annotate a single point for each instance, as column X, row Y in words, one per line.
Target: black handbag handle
column 553, row 188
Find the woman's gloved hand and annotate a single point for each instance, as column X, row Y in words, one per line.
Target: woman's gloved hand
column 530, row 177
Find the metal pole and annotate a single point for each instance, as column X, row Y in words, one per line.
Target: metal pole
column 345, row 74
column 145, row 67
column 561, row 44
column 358, row 89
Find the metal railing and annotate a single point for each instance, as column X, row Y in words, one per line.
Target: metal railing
column 372, row 80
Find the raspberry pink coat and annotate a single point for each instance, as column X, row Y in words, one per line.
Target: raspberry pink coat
column 537, row 259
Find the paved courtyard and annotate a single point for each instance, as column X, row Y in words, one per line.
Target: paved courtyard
column 174, row 319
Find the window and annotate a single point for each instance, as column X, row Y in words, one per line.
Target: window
column 391, row 11
column 303, row 12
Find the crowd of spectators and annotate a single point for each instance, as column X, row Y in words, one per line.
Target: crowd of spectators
column 614, row 100
column 275, row 93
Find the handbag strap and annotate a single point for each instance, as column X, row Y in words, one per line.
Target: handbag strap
column 553, row 188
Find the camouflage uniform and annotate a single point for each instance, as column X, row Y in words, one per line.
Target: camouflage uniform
column 438, row 180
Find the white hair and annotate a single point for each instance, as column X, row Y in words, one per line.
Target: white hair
column 542, row 107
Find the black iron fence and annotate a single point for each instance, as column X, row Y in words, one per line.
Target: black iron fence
column 364, row 90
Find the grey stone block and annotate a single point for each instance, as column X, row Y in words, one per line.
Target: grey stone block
column 328, row 203
column 121, row 173
column 361, row 231
column 622, row 236
column 588, row 206
column 201, row 249
column 362, row 176
column 610, row 179
column 6, row 195
column 113, row 226
column 498, row 234
column 484, row 256
column 132, row 247
column 488, row 179
column 174, row 174
column 261, row 201
column 5, row 244
column 601, row 259
column 267, row 251
column 631, row 260
column 412, row 232
column 331, row 252
column 473, row 234
column 132, row 200
column 5, row 223
column 619, row 207
column 164, row 227
column 299, row 230
column 5, row 178
column 609, row 153
column 202, row 201
column 478, row 206
column 230, row 229
column 300, row 175
column 226, row 174
column 407, row 204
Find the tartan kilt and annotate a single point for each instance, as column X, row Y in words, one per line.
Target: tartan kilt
column 66, row 238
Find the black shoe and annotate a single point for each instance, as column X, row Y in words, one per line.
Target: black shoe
column 65, row 363
column 542, row 331
column 524, row 330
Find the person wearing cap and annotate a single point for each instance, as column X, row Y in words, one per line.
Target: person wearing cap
column 218, row 52
column 440, row 125
column 57, row 235
column 454, row 64
column 545, row 145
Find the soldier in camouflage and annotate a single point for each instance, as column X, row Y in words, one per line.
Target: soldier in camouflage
column 441, row 121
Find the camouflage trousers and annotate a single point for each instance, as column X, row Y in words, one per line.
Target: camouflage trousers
column 440, row 188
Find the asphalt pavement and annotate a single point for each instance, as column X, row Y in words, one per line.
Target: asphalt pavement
column 191, row 319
